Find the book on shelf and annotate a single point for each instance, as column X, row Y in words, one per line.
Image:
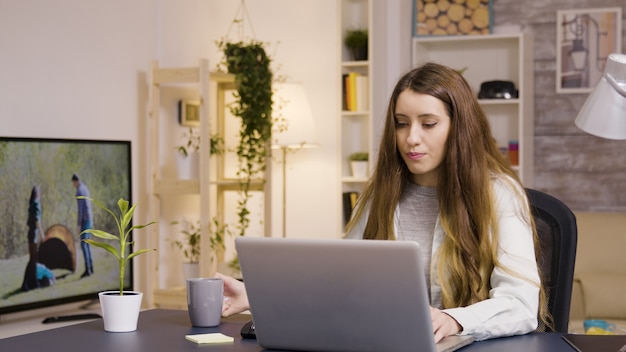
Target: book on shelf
column 362, row 92
column 355, row 92
column 349, row 202
column 344, row 92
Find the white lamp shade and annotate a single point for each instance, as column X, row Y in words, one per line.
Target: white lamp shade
column 295, row 117
column 604, row 112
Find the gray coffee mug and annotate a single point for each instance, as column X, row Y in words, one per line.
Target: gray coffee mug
column 204, row 301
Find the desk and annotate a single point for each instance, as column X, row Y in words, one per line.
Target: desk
column 165, row 330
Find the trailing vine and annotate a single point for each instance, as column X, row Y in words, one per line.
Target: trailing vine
column 250, row 65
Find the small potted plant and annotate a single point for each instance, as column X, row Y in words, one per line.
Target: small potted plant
column 120, row 309
column 189, row 245
column 188, row 153
column 359, row 164
column 356, row 42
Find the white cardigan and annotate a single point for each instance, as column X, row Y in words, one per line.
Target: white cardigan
column 513, row 302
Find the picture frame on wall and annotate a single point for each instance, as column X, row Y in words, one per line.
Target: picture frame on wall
column 189, row 113
column 452, row 18
column 585, row 38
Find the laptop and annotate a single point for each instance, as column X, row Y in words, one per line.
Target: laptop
column 339, row 295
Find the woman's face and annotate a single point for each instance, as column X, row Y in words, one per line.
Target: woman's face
column 422, row 125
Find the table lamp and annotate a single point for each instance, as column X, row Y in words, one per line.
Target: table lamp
column 604, row 111
column 296, row 127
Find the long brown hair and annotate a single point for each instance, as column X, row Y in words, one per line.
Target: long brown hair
column 468, row 253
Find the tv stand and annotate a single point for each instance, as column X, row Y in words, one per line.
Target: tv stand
column 29, row 321
column 71, row 317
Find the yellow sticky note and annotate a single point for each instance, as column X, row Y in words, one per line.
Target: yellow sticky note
column 209, row 338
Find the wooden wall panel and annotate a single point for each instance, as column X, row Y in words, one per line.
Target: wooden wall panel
column 586, row 172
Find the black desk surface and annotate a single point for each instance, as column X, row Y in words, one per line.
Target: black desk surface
column 165, row 330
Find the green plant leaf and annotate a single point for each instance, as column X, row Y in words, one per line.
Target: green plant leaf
column 253, row 106
column 138, row 252
column 101, row 234
column 103, row 245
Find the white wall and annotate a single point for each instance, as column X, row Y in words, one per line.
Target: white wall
column 301, row 40
column 77, row 69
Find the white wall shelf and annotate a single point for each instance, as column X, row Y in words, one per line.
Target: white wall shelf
column 506, row 57
column 355, row 126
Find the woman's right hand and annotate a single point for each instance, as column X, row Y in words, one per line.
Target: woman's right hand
column 235, row 296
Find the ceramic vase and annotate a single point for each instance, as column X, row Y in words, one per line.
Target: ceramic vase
column 359, row 169
column 191, row 270
column 120, row 313
column 188, row 167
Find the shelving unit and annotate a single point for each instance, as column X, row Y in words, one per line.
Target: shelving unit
column 505, row 57
column 212, row 184
column 356, row 129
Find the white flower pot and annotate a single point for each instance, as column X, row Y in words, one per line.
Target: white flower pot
column 359, row 169
column 191, row 270
column 188, row 167
column 120, row 313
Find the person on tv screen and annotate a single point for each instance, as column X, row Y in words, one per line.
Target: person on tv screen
column 35, row 230
column 85, row 221
column 441, row 181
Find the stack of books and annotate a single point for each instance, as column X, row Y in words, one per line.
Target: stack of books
column 355, row 92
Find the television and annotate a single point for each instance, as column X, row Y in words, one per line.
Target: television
column 56, row 258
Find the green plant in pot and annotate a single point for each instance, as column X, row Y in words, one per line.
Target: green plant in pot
column 359, row 162
column 188, row 158
column 356, row 40
column 123, row 302
column 189, row 245
column 250, row 64
column 192, row 143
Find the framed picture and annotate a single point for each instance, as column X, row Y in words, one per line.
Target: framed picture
column 585, row 38
column 442, row 18
column 189, row 113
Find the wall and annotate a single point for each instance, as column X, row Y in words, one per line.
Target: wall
column 584, row 171
column 301, row 40
column 76, row 69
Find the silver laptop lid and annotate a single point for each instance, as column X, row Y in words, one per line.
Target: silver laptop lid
column 336, row 295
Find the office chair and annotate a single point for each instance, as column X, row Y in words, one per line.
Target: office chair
column 558, row 233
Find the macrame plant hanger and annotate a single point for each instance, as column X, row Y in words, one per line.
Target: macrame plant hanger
column 240, row 18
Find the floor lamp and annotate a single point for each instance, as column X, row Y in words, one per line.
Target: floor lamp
column 604, row 111
column 296, row 129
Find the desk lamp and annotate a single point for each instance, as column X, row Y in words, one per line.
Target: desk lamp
column 604, row 111
column 298, row 132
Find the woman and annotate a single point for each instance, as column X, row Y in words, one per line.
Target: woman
column 440, row 180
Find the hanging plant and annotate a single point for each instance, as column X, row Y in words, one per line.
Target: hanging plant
column 250, row 65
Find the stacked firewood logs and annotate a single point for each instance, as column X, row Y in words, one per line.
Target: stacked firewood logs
column 452, row 17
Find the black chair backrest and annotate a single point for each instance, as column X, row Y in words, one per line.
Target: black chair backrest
column 558, row 233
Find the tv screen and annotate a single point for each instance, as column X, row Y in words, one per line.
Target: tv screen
column 43, row 261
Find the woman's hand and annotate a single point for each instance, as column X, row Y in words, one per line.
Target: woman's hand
column 235, row 296
column 443, row 324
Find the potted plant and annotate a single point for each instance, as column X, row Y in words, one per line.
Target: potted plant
column 356, row 41
column 190, row 246
column 250, row 64
column 359, row 164
column 120, row 309
column 188, row 153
